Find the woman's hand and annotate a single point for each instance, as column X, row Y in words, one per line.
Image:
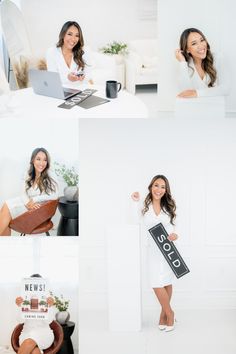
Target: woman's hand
column 50, row 301
column 179, row 55
column 172, row 237
column 73, row 77
column 188, row 94
column 135, row 196
column 19, row 301
column 32, row 205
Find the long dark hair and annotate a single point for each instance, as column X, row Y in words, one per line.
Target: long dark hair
column 78, row 48
column 207, row 62
column 45, row 183
column 167, row 202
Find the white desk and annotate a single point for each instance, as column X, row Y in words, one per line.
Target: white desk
column 24, row 103
column 202, row 107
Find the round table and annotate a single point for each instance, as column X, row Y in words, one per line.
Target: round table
column 67, row 347
column 68, row 225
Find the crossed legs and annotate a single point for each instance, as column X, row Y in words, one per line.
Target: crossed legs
column 29, row 346
column 164, row 296
column 5, row 219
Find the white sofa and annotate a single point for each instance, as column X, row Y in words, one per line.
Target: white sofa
column 141, row 63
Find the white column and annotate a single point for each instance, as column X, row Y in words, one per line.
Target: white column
column 124, row 277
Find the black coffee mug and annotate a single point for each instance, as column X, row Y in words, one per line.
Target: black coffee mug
column 112, row 88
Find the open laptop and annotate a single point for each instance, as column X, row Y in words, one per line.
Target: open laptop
column 48, row 83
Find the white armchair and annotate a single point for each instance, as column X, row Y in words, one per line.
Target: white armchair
column 141, row 64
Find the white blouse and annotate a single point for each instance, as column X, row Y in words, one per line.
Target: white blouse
column 56, row 62
column 189, row 79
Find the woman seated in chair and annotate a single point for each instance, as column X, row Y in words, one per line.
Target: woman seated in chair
column 36, row 335
column 39, row 187
column 68, row 57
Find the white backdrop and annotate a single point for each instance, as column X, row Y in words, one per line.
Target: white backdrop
column 101, row 22
column 198, row 157
column 19, row 137
column 215, row 18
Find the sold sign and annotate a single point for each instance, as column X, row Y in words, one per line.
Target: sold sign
column 169, row 251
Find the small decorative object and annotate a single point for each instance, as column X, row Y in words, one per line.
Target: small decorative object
column 71, row 178
column 62, row 316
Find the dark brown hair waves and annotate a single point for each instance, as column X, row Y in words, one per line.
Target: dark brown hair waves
column 78, row 49
column 207, row 63
column 167, row 202
column 45, row 183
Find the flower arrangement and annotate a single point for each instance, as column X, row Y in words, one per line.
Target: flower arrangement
column 69, row 175
column 115, row 48
column 60, row 303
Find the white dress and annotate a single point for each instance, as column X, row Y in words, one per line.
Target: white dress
column 159, row 271
column 17, row 206
column 190, row 80
column 39, row 331
column 56, row 62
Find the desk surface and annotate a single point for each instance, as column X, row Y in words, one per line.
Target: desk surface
column 25, row 103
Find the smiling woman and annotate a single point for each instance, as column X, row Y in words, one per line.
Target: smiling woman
column 39, row 187
column 200, row 73
column 68, row 56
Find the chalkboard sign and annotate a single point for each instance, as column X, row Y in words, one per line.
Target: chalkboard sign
column 169, row 250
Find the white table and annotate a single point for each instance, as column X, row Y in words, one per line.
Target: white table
column 24, row 103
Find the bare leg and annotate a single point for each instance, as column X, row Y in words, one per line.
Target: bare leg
column 27, row 346
column 163, row 295
column 163, row 316
column 5, row 219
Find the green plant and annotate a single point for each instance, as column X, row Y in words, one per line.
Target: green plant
column 42, row 303
column 115, row 48
column 26, row 302
column 69, row 175
column 60, row 303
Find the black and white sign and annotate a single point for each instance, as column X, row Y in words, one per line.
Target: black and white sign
column 169, row 250
column 77, row 99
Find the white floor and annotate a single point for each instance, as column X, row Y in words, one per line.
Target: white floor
column 196, row 332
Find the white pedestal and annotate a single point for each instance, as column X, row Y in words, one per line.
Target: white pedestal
column 124, row 278
column 202, row 107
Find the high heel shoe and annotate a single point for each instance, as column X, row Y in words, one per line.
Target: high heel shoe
column 162, row 327
column 170, row 328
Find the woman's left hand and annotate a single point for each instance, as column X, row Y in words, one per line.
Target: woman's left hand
column 50, row 301
column 188, row 94
column 172, row 237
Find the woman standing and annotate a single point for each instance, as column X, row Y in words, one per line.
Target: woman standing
column 68, row 57
column 39, row 187
column 200, row 74
column 159, row 207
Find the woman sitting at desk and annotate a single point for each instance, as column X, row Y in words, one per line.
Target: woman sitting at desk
column 68, row 57
column 200, row 74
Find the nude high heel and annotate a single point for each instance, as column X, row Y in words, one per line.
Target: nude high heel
column 171, row 328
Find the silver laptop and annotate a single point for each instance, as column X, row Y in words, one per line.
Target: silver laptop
column 48, row 83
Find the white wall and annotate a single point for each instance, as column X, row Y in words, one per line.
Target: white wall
column 215, row 19
column 101, row 22
column 55, row 259
column 198, row 157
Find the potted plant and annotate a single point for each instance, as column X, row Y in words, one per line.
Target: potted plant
column 43, row 305
column 71, row 178
column 25, row 305
column 118, row 49
column 62, row 316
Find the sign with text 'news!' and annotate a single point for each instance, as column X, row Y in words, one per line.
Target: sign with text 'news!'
column 169, row 251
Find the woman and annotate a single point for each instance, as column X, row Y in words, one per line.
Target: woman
column 200, row 74
column 36, row 335
column 68, row 57
column 39, row 187
column 159, row 206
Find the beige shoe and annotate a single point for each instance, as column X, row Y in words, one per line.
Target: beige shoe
column 162, row 327
column 170, row 328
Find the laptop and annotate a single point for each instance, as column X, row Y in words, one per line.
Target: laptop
column 48, row 83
